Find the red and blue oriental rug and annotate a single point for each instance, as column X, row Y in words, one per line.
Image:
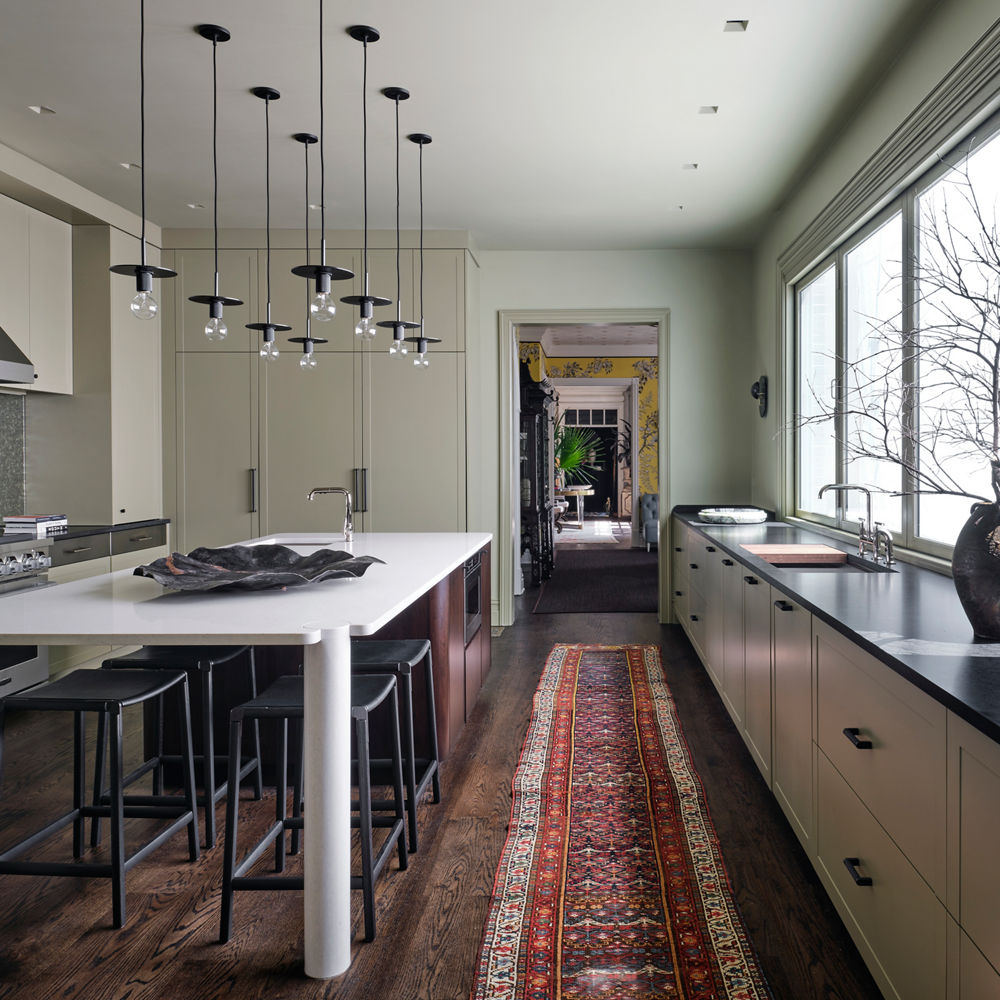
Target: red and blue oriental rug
column 611, row 884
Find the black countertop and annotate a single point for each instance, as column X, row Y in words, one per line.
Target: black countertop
column 910, row 619
column 83, row 530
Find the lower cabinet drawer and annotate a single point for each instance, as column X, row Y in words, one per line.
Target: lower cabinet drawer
column 889, row 741
column 896, row 921
column 977, row 979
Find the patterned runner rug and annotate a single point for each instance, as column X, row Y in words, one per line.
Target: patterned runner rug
column 610, row 883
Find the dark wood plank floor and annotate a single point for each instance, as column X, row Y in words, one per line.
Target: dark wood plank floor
column 56, row 938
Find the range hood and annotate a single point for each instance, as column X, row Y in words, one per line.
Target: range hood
column 14, row 366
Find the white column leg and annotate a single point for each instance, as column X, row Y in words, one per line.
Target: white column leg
column 328, row 804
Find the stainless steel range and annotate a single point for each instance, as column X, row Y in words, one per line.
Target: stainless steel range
column 24, row 563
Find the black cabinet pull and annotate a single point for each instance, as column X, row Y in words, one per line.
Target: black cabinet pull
column 851, row 864
column 678, row 593
column 784, row 606
column 852, row 734
column 727, row 562
column 677, row 548
column 694, row 618
column 709, row 548
column 693, row 565
column 752, row 580
column 253, row 491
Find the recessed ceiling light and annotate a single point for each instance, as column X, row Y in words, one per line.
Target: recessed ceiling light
column 708, row 109
column 736, row 26
column 131, row 166
column 41, row 109
column 195, row 205
column 689, row 166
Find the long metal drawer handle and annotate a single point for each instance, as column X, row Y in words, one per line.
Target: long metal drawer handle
column 851, row 864
column 784, row 606
column 752, row 580
column 852, row 734
column 141, row 538
column 82, row 548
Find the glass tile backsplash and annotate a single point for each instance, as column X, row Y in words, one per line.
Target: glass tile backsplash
column 11, row 454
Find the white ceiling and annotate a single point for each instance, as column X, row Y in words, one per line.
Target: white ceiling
column 556, row 123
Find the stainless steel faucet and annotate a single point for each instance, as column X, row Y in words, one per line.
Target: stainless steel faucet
column 348, row 514
column 866, row 533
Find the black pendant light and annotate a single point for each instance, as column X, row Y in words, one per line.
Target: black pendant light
column 323, row 307
column 308, row 359
column 399, row 326
column 215, row 328
column 143, row 305
column 421, row 340
column 365, row 328
column 269, row 352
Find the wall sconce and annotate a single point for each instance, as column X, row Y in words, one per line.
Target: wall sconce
column 759, row 392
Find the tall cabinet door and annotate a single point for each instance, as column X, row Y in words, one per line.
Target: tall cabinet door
column 414, row 443
column 307, row 440
column 217, row 448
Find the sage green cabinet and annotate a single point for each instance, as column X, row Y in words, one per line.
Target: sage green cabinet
column 36, row 297
column 249, row 438
column 792, row 722
column 757, row 671
column 734, row 695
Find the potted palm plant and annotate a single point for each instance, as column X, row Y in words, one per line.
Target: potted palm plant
column 578, row 452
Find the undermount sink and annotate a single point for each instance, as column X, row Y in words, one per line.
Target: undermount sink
column 853, row 564
column 302, row 541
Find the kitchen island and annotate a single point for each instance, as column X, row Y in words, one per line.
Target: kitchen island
column 120, row 608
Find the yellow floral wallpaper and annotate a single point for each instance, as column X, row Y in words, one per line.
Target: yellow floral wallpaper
column 645, row 437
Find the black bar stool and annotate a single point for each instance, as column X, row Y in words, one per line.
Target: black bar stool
column 200, row 660
column 108, row 693
column 282, row 701
column 398, row 657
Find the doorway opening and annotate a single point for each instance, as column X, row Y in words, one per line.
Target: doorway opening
column 592, row 351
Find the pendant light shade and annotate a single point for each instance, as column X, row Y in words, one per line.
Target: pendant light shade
column 143, row 305
column 323, row 307
column 269, row 351
column 366, row 302
column 215, row 328
column 399, row 326
column 308, row 359
column 421, row 340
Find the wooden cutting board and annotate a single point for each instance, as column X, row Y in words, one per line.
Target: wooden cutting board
column 798, row 555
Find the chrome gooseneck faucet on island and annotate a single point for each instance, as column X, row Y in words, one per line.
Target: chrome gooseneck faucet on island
column 873, row 539
column 348, row 511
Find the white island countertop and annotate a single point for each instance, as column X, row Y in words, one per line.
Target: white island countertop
column 119, row 608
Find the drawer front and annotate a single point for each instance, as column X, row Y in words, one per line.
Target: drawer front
column 975, row 784
column 978, row 980
column 898, row 924
column 66, row 551
column 134, row 539
column 899, row 765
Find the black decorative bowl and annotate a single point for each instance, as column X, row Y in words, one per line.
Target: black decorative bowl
column 252, row 567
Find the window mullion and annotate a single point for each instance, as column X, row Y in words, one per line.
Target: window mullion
column 910, row 375
column 841, row 405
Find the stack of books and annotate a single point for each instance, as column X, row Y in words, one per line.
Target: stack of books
column 39, row 525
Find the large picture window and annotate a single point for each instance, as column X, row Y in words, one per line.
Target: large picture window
column 897, row 354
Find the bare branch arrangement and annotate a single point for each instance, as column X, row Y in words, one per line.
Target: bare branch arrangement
column 926, row 397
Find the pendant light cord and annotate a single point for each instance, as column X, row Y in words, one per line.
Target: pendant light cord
column 305, row 147
column 421, row 239
column 267, row 195
column 322, row 145
column 215, row 158
column 364, row 155
column 142, row 121
column 399, row 306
